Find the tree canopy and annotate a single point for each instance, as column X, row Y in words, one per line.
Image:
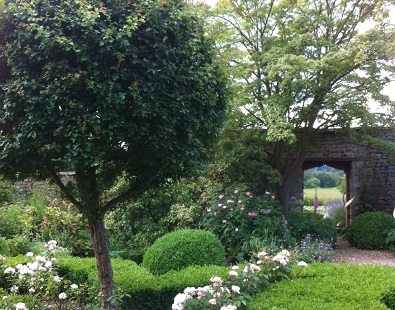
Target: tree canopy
column 108, row 89
column 299, row 66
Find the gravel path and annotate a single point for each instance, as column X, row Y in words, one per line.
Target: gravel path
column 350, row 255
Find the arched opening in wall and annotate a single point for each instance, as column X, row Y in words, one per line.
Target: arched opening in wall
column 330, row 180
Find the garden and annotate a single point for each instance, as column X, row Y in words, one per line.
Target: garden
column 148, row 151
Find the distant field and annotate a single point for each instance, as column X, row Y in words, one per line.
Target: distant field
column 324, row 195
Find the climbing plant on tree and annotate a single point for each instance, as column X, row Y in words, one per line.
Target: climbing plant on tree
column 109, row 89
column 298, row 66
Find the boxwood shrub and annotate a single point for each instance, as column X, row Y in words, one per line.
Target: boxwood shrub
column 388, row 298
column 370, row 230
column 144, row 290
column 183, row 248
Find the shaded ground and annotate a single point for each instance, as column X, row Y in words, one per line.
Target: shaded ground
column 350, row 255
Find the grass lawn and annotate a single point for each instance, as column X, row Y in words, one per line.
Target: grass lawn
column 324, row 195
column 329, row 287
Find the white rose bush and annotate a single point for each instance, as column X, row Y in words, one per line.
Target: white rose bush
column 243, row 281
column 38, row 278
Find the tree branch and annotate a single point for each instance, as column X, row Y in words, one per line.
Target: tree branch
column 132, row 193
column 55, row 177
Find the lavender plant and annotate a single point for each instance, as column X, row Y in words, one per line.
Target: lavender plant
column 313, row 249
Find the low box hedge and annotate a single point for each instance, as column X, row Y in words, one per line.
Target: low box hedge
column 328, row 287
column 146, row 291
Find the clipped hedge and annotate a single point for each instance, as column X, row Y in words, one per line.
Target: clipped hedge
column 183, row 248
column 146, row 290
column 309, row 223
column 370, row 230
column 328, row 287
column 388, row 298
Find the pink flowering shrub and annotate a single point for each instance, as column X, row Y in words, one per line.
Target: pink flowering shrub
column 244, row 281
column 240, row 216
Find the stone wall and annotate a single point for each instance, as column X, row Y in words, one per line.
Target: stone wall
column 370, row 174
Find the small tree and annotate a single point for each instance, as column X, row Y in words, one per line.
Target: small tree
column 109, row 89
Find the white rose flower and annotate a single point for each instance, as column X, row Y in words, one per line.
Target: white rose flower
column 255, row 268
column 9, row 270
column 228, row 307
column 262, row 255
column 236, row 289
column 51, row 245
column 285, row 253
column 302, row 264
column 74, row 286
column 235, row 267
column 62, row 296
column 20, row 306
column 32, row 290
column 233, row 273
column 40, row 259
column 48, row 264
column 212, row 301
column 14, row 289
column 25, row 270
column 217, row 281
column 29, row 254
column 57, row 278
column 32, row 266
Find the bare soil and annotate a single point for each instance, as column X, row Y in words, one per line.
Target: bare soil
column 350, row 255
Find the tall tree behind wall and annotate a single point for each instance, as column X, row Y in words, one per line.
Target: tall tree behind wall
column 299, row 66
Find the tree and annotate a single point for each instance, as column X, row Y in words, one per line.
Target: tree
column 299, row 66
column 110, row 89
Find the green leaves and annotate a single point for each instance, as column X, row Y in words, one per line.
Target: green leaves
column 124, row 87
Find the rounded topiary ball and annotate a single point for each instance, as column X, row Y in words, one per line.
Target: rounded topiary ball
column 183, row 248
column 369, row 230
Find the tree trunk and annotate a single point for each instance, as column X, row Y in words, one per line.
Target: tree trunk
column 103, row 262
column 283, row 196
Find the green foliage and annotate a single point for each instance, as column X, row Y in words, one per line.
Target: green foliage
column 328, row 179
column 18, row 245
column 239, row 158
column 145, row 290
column 309, row 223
column 238, row 216
column 135, row 226
column 312, row 183
column 183, row 248
column 388, row 298
column 62, row 222
column 5, row 190
column 145, row 64
column 390, row 241
column 4, row 249
column 328, row 287
column 12, row 222
column 370, row 230
column 296, row 64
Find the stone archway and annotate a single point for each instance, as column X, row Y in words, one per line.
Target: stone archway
column 369, row 172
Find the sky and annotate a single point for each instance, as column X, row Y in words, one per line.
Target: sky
column 389, row 90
